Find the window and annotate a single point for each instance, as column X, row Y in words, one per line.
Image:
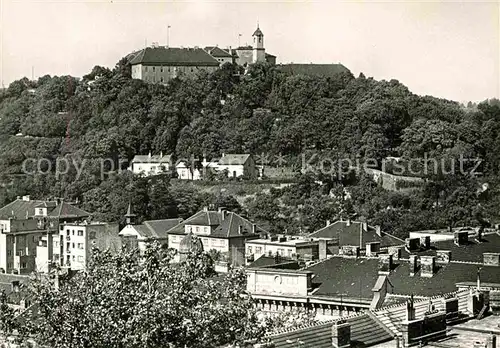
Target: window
column 80, row 233
column 74, row 258
column 80, row 258
column 68, row 246
column 205, row 229
column 80, row 245
column 146, row 69
column 281, row 251
column 73, row 232
column 249, row 250
column 161, row 69
column 35, row 239
column 23, row 265
column 9, row 252
column 258, row 250
column 20, row 253
column 9, row 264
column 153, row 69
column 73, row 245
column 197, row 229
column 56, row 244
column 67, row 232
column 161, row 79
column 290, row 252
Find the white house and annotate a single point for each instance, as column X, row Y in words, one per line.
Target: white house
column 185, row 171
column 138, row 235
column 150, row 165
column 238, row 165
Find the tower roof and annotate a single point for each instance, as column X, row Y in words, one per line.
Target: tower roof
column 258, row 32
column 129, row 211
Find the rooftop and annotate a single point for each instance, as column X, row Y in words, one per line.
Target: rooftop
column 151, row 159
column 349, row 277
column 274, row 262
column 234, row 159
column 25, row 208
column 443, row 281
column 224, row 224
column 472, row 251
column 173, row 56
column 215, row 51
column 356, row 233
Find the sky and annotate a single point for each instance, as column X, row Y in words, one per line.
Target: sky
column 446, row 49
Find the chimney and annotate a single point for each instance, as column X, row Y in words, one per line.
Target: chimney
column 26, row 198
column 18, row 197
column 385, row 263
column 161, row 154
column 327, row 222
column 461, row 238
column 491, row 259
column 425, row 242
column 443, row 256
column 410, row 310
column 350, row 250
column 365, row 226
column 205, row 209
column 479, row 234
column 372, row 249
column 240, row 229
column 427, row 266
column 395, row 251
column 412, row 244
column 348, row 222
column 254, row 228
column 413, row 265
column 341, row 334
column 322, row 249
column 149, row 155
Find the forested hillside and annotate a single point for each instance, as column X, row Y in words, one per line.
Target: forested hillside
column 107, row 115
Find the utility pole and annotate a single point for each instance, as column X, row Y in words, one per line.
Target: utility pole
column 239, row 40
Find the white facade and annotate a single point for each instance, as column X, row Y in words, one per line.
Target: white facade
column 150, row 165
column 163, row 73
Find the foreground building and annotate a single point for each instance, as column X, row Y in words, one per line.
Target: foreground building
column 24, row 222
column 353, row 281
column 72, row 246
column 222, row 231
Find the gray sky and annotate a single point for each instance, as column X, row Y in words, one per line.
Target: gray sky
column 445, row 49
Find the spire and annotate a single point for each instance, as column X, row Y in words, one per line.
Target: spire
column 130, row 217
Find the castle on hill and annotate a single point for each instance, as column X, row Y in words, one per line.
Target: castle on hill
column 159, row 64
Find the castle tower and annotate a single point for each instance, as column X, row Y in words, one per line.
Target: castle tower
column 259, row 53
